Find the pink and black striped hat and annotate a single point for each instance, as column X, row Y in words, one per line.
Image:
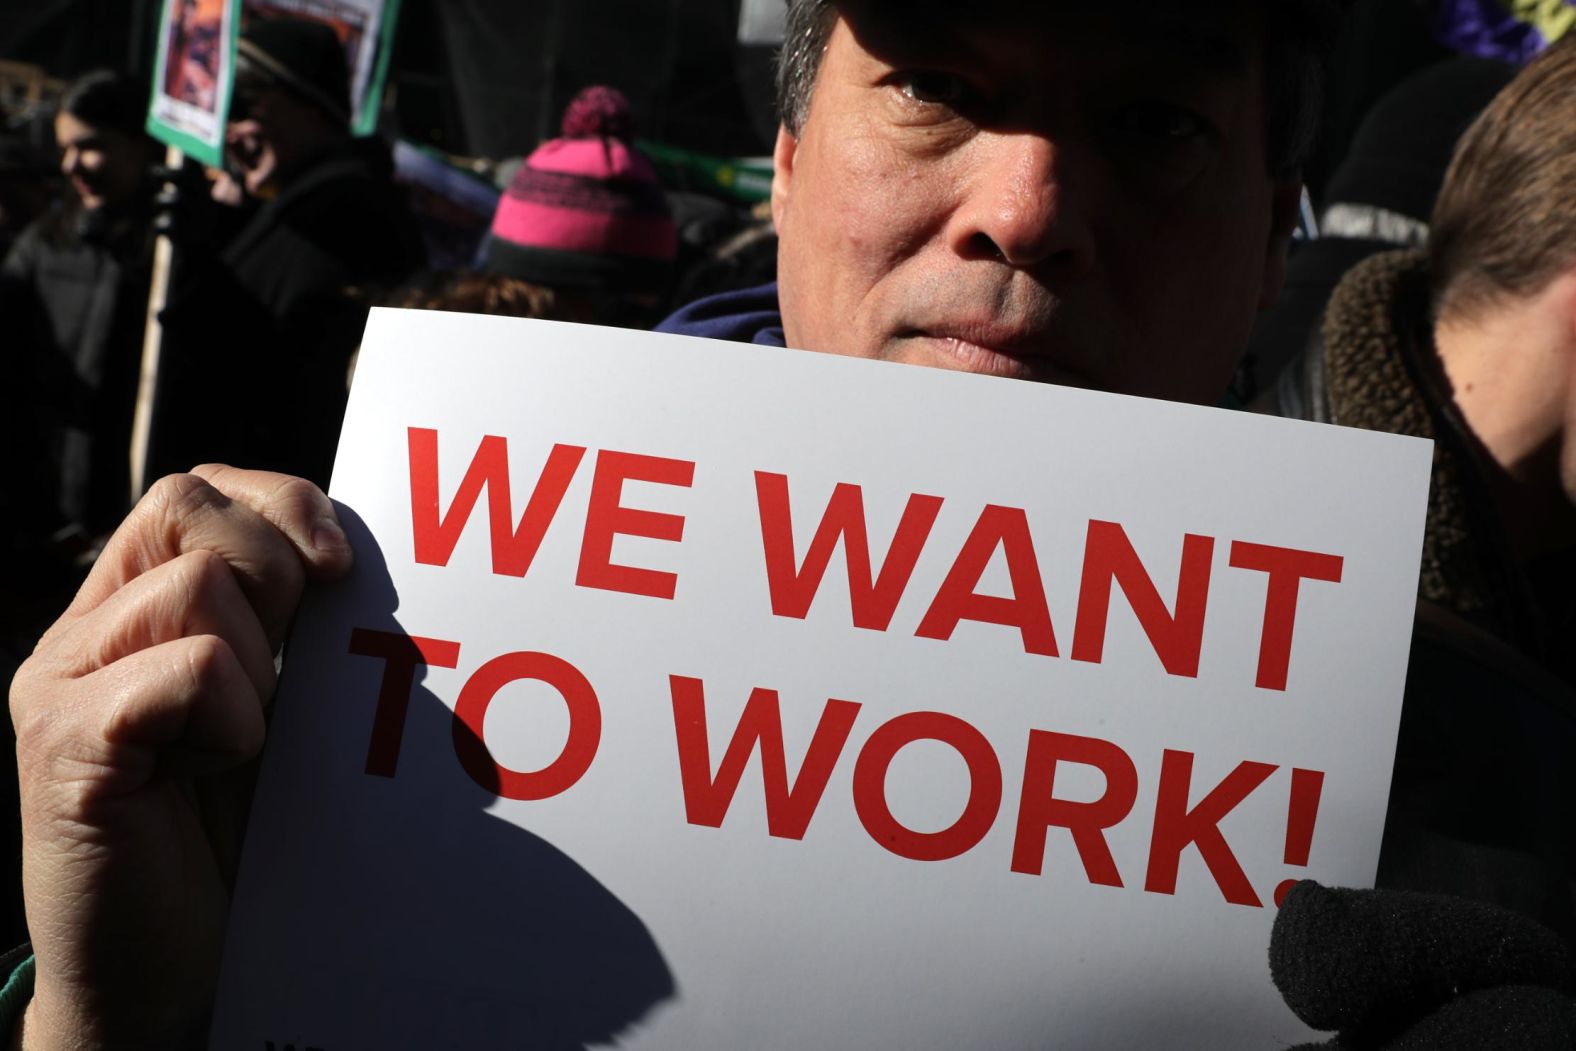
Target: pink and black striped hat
column 586, row 210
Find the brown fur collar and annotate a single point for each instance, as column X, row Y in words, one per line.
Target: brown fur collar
column 1378, row 349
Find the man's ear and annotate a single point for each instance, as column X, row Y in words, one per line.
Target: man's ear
column 1285, row 207
column 783, row 154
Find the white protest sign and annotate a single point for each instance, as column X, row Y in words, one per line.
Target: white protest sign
column 689, row 695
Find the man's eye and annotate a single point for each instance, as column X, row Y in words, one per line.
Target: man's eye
column 1160, row 122
column 934, row 89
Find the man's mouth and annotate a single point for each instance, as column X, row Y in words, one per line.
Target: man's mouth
column 994, row 350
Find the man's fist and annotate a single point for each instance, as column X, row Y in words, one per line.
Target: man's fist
column 135, row 717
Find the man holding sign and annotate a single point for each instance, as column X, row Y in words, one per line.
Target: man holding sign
column 1049, row 193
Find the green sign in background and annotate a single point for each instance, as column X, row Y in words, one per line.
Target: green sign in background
column 209, row 153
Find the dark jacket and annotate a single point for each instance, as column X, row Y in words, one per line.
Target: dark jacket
column 1483, row 802
column 257, row 339
column 73, row 304
column 749, row 315
column 1312, row 272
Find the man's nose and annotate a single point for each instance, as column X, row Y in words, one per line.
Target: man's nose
column 1022, row 208
column 70, row 161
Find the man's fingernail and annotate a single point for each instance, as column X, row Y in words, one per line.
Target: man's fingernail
column 328, row 538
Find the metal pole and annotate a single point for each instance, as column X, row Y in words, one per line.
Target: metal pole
column 152, row 347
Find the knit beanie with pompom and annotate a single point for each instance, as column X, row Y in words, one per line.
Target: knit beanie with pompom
column 586, row 210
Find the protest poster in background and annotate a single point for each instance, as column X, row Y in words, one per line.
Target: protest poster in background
column 193, row 75
column 365, row 27
column 689, row 694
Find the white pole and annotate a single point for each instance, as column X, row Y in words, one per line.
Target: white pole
column 152, row 345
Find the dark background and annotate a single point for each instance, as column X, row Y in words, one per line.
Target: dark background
column 485, row 77
column 490, row 77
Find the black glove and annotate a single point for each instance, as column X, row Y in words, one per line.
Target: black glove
column 1397, row 970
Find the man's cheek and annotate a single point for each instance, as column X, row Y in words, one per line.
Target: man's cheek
column 872, row 182
column 892, row 221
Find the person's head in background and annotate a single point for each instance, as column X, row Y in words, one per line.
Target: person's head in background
column 1386, row 186
column 1502, row 262
column 291, row 103
column 1378, row 198
column 104, row 153
column 473, row 292
column 586, row 221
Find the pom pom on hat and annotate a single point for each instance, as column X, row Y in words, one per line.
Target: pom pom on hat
column 587, row 210
column 598, row 111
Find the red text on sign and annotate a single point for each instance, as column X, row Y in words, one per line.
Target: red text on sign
column 1187, row 818
column 1110, row 563
column 436, row 532
column 402, row 654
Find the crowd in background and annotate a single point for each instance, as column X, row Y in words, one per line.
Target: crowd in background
column 278, row 257
column 276, row 260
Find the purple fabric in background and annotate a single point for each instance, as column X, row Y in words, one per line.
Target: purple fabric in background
column 1488, row 29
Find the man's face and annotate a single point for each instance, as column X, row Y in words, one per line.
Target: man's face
column 104, row 166
column 269, row 135
column 1034, row 191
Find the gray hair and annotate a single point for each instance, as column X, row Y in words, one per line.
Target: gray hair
column 1300, row 35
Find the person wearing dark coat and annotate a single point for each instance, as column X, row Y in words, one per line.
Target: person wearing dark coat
column 73, row 299
column 259, row 331
column 73, row 302
column 1470, row 343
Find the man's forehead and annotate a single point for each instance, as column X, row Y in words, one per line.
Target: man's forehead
column 1218, row 33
